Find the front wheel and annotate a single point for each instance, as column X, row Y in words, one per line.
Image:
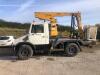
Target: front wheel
column 71, row 49
column 24, row 52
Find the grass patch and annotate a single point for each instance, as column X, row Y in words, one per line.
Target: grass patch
column 12, row 31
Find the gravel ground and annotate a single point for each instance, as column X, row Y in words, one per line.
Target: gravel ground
column 85, row 63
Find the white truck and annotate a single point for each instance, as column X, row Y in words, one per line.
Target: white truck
column 38, row 39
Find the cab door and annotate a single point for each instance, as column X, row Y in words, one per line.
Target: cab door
column 37, row 35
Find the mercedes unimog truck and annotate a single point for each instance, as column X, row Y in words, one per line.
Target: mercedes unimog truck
column 39, row 39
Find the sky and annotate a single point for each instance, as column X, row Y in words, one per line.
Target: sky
column 23, row 10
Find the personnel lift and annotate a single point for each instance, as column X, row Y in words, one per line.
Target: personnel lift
column 51, row 16
column 38, row 38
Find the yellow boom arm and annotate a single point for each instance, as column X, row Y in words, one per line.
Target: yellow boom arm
column 50, row 16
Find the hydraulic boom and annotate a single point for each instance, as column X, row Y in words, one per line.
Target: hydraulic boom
column 50, row 16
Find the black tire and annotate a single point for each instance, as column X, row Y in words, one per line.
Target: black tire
column 24, row 52
column 71, row 49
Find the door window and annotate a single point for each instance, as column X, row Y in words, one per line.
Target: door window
column 37, row 29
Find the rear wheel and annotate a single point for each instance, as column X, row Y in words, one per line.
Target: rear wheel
column 24, row 52
column 71, row 49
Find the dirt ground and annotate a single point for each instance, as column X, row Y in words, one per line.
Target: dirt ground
column 86, row 62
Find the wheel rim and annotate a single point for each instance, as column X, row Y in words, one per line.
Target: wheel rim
column 24, row 52
column 72, row 50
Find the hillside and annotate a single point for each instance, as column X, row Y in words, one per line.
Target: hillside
column 19, row 29
column 4, row 24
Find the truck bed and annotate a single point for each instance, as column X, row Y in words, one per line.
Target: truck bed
column 62, row 40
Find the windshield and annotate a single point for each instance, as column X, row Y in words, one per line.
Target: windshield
column 37, row 29
column 4, row 38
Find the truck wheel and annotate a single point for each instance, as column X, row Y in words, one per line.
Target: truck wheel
column 24, row 52
column 71, row 49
